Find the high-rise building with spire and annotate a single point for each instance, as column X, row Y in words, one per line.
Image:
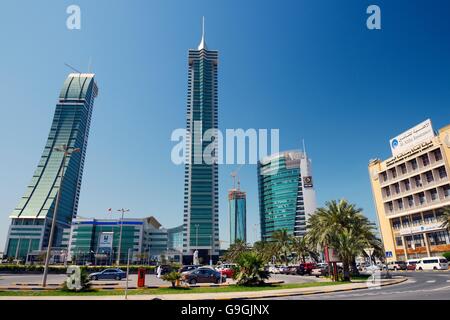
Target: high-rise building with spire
column 201, row 201
column 31, row 219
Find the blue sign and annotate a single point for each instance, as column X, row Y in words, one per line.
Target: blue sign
column 389, row 254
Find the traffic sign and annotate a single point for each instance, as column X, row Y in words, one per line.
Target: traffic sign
column 389, row 254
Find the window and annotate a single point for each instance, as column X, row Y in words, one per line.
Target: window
column 399, row 241
column 397, row 188
column 437, row 155
column 421, row 198
column 393, row 173
column 400, row 204
column 442, row 173
column 390, row 206
column 428, row 217
column 416, row 219
column 384, row 175
column 433, row 194
column 429, row 176
column 403, row 168
column 387, row 191
column 446, row 191
column 413, row 164
column 396, row 224
column 425, row 160
column 418, row 181
column 410, row 201
column 407, row 184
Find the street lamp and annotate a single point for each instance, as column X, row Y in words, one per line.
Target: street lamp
column 196, row 235
column 120, row 237
column 67, row 151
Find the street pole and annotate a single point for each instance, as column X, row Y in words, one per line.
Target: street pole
column 120, row 236
column 67, row 151
column 210, row 253
column 128, row 272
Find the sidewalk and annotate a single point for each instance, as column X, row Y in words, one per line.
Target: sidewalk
column 222, row 295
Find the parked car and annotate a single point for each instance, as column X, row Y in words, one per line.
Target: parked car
column 227, row 270
column 274, row 269
column 306, row 268
column 188, row 268
column 202, row 275
column 411, row 264
column 396, row 265
column 108, row 274
column 322, row 271
column 432, row 263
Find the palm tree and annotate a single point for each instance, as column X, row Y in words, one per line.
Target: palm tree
column 282, row 242
column 445, row 217
column 302, row 248
column 266, row 250
column 250, row 269
column 348, row 244
column 236, row 250
column 333, row 224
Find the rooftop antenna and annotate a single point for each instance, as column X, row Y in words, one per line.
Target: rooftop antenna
column 68, row 65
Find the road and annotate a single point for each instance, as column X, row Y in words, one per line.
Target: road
column 432, row 285
column 150, row 280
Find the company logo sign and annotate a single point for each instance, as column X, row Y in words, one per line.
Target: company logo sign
column 421, row 133
column 106, row 240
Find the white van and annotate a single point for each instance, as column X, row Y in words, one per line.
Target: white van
column 432, row 263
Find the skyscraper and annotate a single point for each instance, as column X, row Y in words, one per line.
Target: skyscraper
column 286, row 193
column 201, row 203
column 237, row 204
column 31, row 219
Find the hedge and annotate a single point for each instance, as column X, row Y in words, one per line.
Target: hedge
column 447, row 255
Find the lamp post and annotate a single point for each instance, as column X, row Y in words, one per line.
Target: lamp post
column 67, row 151
column 120, row 236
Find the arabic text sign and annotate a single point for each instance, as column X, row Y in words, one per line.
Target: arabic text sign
column 420, row 133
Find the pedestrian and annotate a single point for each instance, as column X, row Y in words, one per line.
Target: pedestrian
column 158, row 271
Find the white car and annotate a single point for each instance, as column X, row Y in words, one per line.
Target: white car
column 432, row 263
column 274, row 269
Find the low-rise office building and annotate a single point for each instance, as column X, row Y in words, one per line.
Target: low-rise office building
column 97, row 240
column 410, row 190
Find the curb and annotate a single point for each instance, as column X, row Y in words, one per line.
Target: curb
column 37, row 287
column 290, row 294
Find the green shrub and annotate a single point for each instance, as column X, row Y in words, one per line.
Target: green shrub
column 172, row 277
column 249, row 270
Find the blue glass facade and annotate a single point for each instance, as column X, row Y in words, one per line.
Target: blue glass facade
column 237, row 204
column 282, row 193
column 201, row 216
column 31, row 219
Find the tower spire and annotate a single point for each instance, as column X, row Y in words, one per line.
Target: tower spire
column 202, row 44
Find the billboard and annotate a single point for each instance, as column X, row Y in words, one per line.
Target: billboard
column 331, row 255
column 106, row 240
column 408, row 139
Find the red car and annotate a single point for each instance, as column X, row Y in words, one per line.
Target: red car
column 226, row 270
column 307, row 267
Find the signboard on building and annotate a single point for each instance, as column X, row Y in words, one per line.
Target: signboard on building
column 389, row 254
column 307, row 182
column 106, row 240
column 421, row 133
column 419, row 229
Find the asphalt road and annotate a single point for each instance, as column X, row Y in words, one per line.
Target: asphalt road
column 150, row 280
column 432, row 285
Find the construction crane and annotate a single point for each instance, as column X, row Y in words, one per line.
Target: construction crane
column 234, row 175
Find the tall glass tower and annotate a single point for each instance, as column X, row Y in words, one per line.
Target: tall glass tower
column 286, row 193
column 238, row 215
column 31, row 219
column 201, row 204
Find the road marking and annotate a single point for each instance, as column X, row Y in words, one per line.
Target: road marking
column 448, row 280
column 431, row 281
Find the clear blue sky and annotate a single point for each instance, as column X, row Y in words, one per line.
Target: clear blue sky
column 310, row 68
